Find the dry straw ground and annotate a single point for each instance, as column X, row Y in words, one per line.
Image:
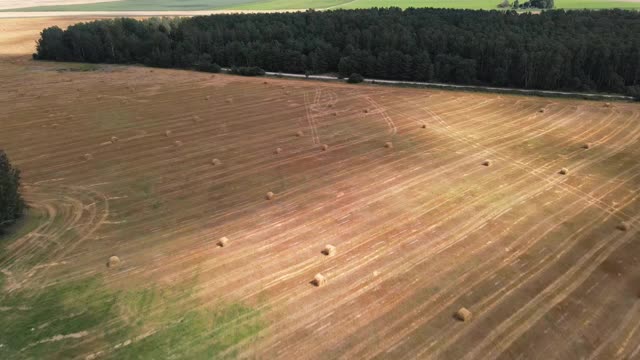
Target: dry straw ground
column 422, row 229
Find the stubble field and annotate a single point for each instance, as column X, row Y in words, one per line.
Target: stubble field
column 119, row 161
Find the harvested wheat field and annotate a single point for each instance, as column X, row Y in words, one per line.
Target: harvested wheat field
column 421, row 227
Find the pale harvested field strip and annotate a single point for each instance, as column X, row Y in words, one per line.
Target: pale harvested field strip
column 309, row 107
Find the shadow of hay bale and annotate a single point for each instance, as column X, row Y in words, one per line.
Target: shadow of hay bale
column 329, row 250
column 319, row 280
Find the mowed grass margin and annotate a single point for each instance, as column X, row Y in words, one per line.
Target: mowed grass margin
column 80, row 317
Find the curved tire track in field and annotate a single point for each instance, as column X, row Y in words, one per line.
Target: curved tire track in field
column 66, row 216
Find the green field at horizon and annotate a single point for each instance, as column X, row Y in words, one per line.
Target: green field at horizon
column 190, row 5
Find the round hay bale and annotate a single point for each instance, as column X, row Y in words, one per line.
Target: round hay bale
column 167, row 133
column 208, row 97
column 325, row 147
column 87, row 156
column 216, row 162
column 564, row 171
column 486, row 163
column 424, row 126
column 541, row 110
column 114, row 139
column 196, row 118
column 266, row 82
column 329, row 250
column 330, row 105
column 319, row 280
column 388, row 145
column 365, row 111
column 278, row 150
column 113, row 261
column 54, row 125
column 463, row 314
column 229, row 101
column 586, row 146
column 270, row 195
column 607, row 104
column 177, row 143
column 300, row 133
column 334, row 113
column 223, row 241
column 623, row 226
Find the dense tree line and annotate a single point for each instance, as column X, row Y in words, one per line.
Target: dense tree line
column 532, row 4
column 11, row 203
column 559, row 50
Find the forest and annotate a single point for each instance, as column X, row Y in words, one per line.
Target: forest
column 536, row 4
column 553, row 50
column 11, row 203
